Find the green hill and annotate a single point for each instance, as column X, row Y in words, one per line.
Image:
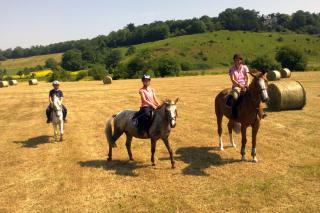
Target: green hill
column 217, row 48
column 207, row 50
column 13, row 65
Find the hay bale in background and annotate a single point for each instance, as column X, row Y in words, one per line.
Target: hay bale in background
column 13, row 82
column 107, row 80
column 286, row 95
column 285, row 73
column 273, row 75
column 4, row 84
column 33, row 82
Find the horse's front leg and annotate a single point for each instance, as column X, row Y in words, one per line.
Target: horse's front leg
column 128, row 145
column 153, row 150
column 55, row 131
column 255, row 129
column 166, row 142
column 61, row 131
column 243, row 142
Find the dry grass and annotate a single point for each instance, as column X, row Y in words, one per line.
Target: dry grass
column 39, row 176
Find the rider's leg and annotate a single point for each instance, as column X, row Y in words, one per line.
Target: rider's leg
column 64, row 112
column 235, row 95
column 48, row 113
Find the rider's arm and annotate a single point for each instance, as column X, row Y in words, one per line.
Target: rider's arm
column 234, row 81
column 143, row 99
column 247, row 79
column 155, row 98
column 61, row 96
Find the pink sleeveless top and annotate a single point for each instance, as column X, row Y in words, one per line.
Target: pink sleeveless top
column 239, row 76
column 148, row 94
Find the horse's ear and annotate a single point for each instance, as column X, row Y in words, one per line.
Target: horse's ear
column 255, row 73
column 177, row 99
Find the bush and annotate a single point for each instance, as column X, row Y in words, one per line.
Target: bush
column 60, row 75
column 82, row 74
column 98, row 72
column 291, row 58
column 131, row 50
column 264, row 63
column 51, row 63
column 167, row 66
column 185, row 66
column 72, row 60
column 201, row 66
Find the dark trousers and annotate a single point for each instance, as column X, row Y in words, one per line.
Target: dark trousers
column 144, row 119
column 50, row 109
column 235, row 104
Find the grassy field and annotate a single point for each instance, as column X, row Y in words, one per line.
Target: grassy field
column 13, row 65
column 213, row 50
column 38, row 175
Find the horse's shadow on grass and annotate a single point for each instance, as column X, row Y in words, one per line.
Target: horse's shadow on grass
column 199, row 159
column 123, row 168
column 34, row 142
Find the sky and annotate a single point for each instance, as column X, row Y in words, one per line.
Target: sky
column 40, row 22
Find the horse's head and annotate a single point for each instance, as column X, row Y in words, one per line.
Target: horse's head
column 171, row 111
column 259, row 85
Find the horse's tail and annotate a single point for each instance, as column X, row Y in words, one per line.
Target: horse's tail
column 236, row 127
column 109, row 130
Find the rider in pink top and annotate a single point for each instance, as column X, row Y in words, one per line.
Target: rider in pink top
column 240, row 83
column 149, row 102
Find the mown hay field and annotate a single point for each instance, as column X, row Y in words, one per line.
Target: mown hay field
column 38, row 175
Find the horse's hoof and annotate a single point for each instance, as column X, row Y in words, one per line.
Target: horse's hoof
column 131, row 159
column 173, row 167
column 109, row 159
column 243, row 158
column 221, row 148
column 153, row 164
column 255, row 160
column 234, row 146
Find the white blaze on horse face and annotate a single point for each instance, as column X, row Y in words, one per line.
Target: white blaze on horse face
column 172, row 109
column 264, row 92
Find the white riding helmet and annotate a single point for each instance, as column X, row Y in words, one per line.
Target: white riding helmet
column 56, row 83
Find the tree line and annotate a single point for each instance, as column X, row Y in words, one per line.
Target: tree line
column 230, row 19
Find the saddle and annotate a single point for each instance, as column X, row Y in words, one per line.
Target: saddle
column 143, row 121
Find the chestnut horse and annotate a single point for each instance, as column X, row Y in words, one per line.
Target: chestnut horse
column 247, row 112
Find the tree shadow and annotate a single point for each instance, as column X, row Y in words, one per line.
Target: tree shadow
column 199, row 159
column 34, row 142
column 123, row 168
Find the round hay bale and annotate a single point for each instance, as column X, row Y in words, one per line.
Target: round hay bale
column 285, row 73
column 13, row 82
column 107, row 80
column 286, row 95
column 4, row 84
column 273, row 75
column 33, row 82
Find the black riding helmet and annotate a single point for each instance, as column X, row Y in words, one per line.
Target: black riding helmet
column 146, row 77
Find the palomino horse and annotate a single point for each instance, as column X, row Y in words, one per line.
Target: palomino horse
column 164, row 119
column 57, row 118
column 247, row 112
